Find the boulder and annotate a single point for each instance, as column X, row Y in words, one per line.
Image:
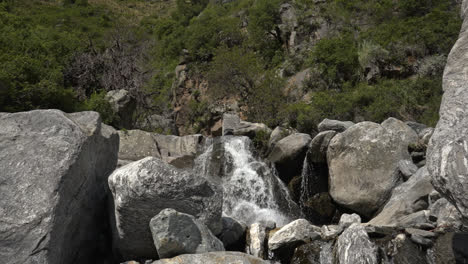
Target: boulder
column 277, row 134
column 354, row 247
column 233, row 234
column 213, row 258
column 256, row 240
column 407, row 168
column 363, row 166
column 144, row 188
column 403, row 251
column 409, row 197
column 417, row 127
column 446, row 214
column 346, row 220
column 406, row 133
column 319, row 145
column 335, row 125
column 288, row 155
column 330, row 232
column 54, row 168
column 312, row 253
column 447, row 157
column 177, row 233
column 250, row 130
column 293, row 234
column 178, row 151
column 123, row 105
column 426, row 135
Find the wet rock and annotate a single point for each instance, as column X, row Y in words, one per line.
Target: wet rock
column 288, row 155
column 354, row 247
column 53, row 171
column 144, row 188
column 335, row 125
column 363, row 166
column 177, row 233
column 213, row 258
column 233, row 234
column 319, row 145
column 408, row 198
column 256, row 240
column 294, row 233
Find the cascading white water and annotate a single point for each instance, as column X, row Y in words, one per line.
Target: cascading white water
column 248, row 195
column 252, row 191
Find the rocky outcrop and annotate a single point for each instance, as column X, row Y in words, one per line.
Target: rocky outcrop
column 157, row 123
column 54, row 168
column 335, row 125
column 288, row 155
column 177, row 151
column 363, row 166
column 409, row 197
column 214, row 258
column 177, row 233
column 277, row 134
column 142, row 189
column 123, row 106
column 250, row 130
column 319, row 145
column 354, row 247
column 447, row 157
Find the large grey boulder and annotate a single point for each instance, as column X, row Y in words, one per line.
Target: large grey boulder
column 447, row 156
column 144, row 188
column 407, row 198
column 319, row 145
column 447, row 215
column 335, row 125
column 214, row 258
column 363, row 166
column 288, row 155
column 354, row 247
column 233, row 233
column 53, row 172
column 406, row 133
column 178, row 151
column 256, row 240
column 277, row 134
column 177, row 233
column 293, row 234
column 250, row 130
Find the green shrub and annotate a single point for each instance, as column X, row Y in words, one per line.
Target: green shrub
column 97, row 102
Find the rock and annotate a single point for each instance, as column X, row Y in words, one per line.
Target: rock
column 319, row 145
column 53, row 190
column 446, row 214
column 381, row 231
column 157, row 123
column 335, row 125
column 177, row 233
column 403, row 251
column 230, row 123
column 256, row 240
column 419, row 232
column 407, row 168
column 406, row 133
column 213, row 258
column 178, row 151
column 415, row 220
column 354, row 247
column 144, row 188
column 418, row 239
column 294, row 233
column 426, row 135
column 330, row 232
column 347, row 220
column 251, row 129
column 319, row 208
column 409, row 197
column 288, row 155
column 123, row 105
column 417, row 127
column 233, row 234
column 451, row 248
column 311, row 253
column 363, row 166
column 447, row 157
column 277, row 134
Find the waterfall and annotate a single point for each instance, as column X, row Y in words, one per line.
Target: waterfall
column 252, row 191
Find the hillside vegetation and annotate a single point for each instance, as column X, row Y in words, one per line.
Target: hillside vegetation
column 365, row 59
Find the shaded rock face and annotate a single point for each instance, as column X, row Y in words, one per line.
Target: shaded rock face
column 288, row 155
column 407, row 198
column 363, row 166
column 177, row 233
column 157, row 123
column 123, row 105
column 354, row 247
column 312, row 253
column 54, row 168
column 214, row 258
column 177, row 151
column 233, row 234
column 447, row 157
column 335, row 125
column 142, row 189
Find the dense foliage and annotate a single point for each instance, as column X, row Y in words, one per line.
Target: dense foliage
column 379, row 58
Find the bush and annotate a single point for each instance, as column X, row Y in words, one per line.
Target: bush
column 97, row 102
